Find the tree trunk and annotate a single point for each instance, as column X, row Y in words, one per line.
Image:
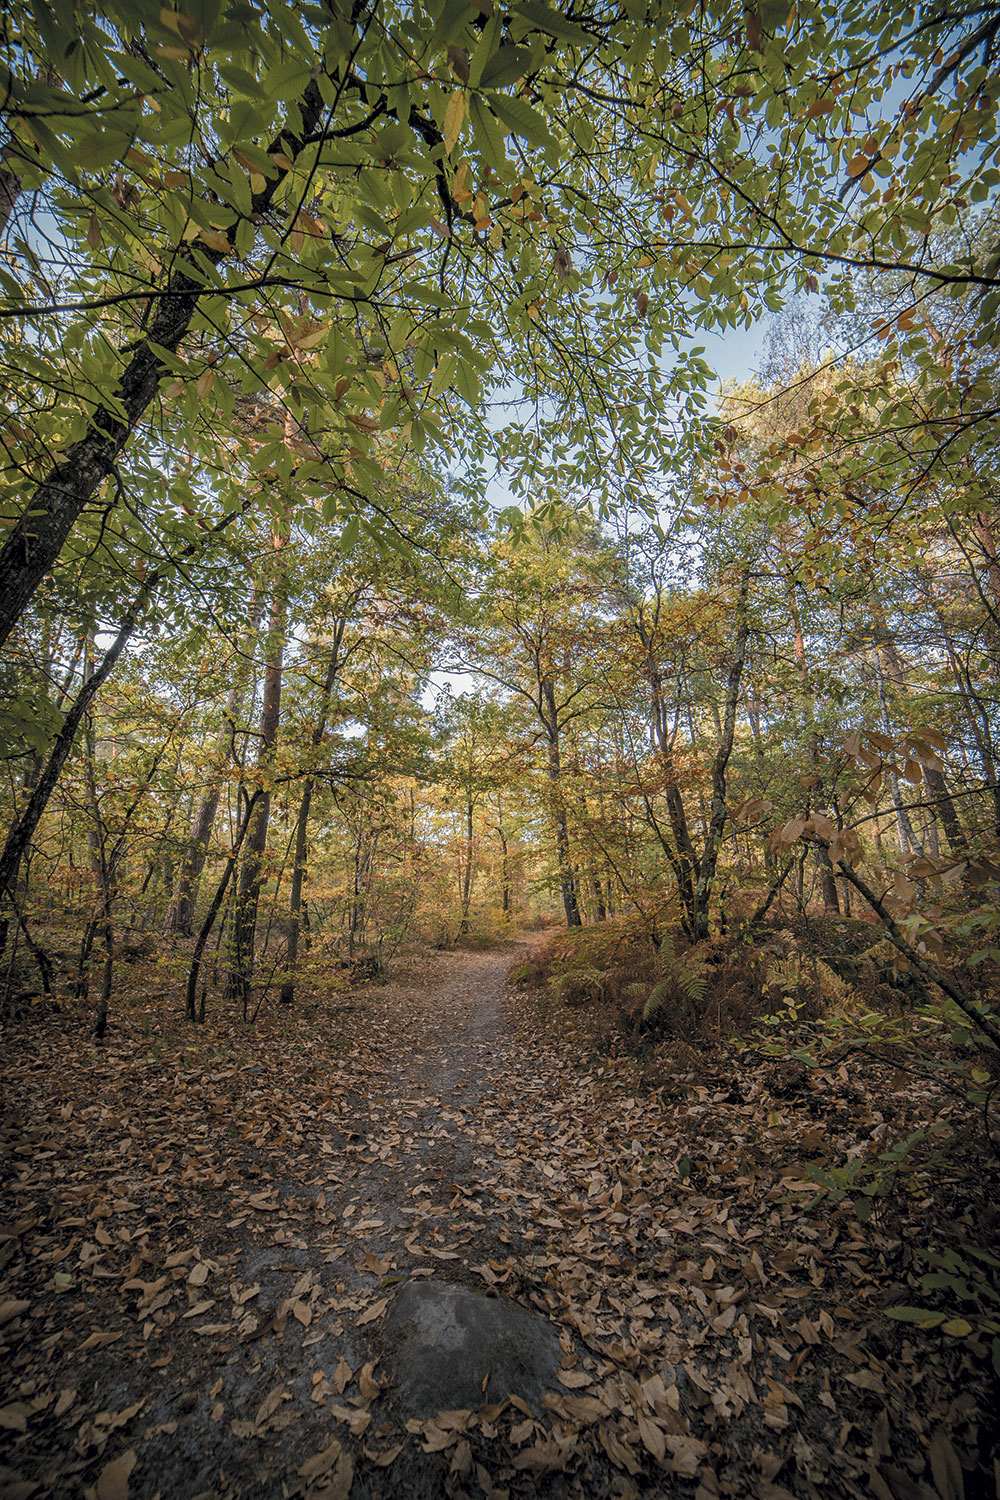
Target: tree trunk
column 251, row 871
column 180, row 912
column 717, row 812
column 827, row 881
column 295, row 903
column 567, row 882
column 23, row 830
column 463, row 927
column 35, row 541
column 192, row 1012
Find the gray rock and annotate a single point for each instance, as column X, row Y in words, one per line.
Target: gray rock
column 443, row 1341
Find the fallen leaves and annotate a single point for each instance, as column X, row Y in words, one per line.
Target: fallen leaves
column 112, row 1482
column 335, row 1486
column 704, row 1301
column 372, row 1313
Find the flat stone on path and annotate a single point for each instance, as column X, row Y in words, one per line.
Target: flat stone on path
column 444, row 1341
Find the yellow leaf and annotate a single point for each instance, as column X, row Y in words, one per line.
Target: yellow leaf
column 957, row 1327
column 214, row 240
column 454, row 119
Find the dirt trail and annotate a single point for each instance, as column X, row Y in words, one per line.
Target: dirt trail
column 204, row 1230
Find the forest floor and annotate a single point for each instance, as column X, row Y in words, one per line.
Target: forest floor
column 204, row 1228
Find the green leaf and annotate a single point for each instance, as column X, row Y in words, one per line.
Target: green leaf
column 489, row 134
column 507, row 65
column 551, row 22
column 921, row 1316
column 522, row 118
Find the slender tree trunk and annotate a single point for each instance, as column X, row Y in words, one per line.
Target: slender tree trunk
column 295, row 903
column 567, row 882
column 251, row 871
column 717, row 813
column 180, row 912
column 22, row 832
column 827, row 880
column 683, row 857
column 906, row 838
column 103, row 865
column 198, row 1013
column 463, row 928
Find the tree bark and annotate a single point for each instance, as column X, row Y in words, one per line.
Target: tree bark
column 567, row 883
column 287, row 994
column 251, row 870
column 827, row 880
column 717, row 812
column 180, row 912
column 36, row 540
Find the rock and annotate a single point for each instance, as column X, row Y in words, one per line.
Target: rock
column 444, row 1341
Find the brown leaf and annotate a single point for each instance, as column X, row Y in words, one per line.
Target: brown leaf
column 12, row 1308
column 270, row 1404
column 459, row 61
column 112, row 1482
column 14, row 1418
column 97, row 1340
column 945, row 1467
column 339, row 1487
column 358, row 1421
column 541, row 1456
column 321, row 1462
column 652, row 1438
column 436, row 1438
column 375, row 1311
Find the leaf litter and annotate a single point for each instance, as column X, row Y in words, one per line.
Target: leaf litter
column 203, row 1232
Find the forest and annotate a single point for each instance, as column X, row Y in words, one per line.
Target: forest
column 500, row 728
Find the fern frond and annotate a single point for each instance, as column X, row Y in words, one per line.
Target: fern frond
column 656, row 998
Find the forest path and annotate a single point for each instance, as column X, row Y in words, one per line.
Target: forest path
column 206, row 1229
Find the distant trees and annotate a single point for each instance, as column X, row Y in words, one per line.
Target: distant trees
column 262, row 272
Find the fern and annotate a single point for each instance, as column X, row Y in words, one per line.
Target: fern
column 655, row 999
column 800, row 980
column 685, row 981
